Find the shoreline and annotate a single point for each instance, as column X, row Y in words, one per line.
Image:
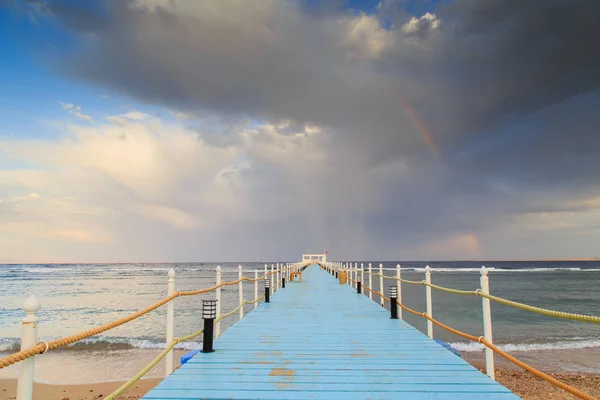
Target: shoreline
column 522, row 383
column 92, row 391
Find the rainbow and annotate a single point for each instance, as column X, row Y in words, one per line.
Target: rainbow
column 473, row 243
column 422, row 129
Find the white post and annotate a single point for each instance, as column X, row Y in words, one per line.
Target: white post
column 255, row 288
column 241, row 286
column 28, row 339
column 399, row 286
column 170, row 321
column 278, row 283
column 218, row 294
column 356, row 275
column 381, row 288
column 429, row 306
column 487, row 323
column 370, row 282
column 273, row 278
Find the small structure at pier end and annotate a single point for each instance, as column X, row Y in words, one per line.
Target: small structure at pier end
column 314, row 258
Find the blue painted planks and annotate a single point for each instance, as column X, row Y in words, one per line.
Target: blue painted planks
column 320, row 340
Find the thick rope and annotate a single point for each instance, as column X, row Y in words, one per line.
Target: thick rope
column 37, row 349
column 41, row 348
column 543, row 311
column 170, row 347
column 540, row 374
column 374, row 292
column 551, row 313
column 495, row 349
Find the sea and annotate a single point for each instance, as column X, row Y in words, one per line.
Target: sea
column 76, row 297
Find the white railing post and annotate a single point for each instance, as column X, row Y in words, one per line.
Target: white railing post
column 487, row 323
column 28, row 339
column 273, row 279
column 370, row 282
column 381, row 288
column 266, row 272
column 399, row 286
column 429, row 306
column 277, row 276
column 218, row 296
column 241, row 286
column 255, row 288
column 170, row 321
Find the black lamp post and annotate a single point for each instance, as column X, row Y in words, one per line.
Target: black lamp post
column 393, row 290
column 209, row 313
column 267, row 290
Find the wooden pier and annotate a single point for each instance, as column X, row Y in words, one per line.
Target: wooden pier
column 320, row 340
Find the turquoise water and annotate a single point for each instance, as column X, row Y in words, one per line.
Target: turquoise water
column 77, row 297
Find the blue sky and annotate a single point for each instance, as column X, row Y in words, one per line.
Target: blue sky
column 34, row 83
column 193, row 132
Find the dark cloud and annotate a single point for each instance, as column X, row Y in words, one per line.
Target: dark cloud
column 508, row 90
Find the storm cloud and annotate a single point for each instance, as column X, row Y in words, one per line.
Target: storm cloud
column 478, row 118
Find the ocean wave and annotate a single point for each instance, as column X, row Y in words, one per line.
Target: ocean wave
column 45, row 270
column 493, row 269
column 9, row 344
column 524, row 347
column 103, row 343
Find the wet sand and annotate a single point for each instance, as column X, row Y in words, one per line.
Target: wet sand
column 522, row 383
column 94, row 391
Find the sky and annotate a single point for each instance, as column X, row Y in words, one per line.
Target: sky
column 243, row 130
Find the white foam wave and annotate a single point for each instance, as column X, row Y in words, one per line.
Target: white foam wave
column 524, row 347
column 148, row 344
column 45, row 270
column 492, row 269
column 9, row 344
column 13, row 344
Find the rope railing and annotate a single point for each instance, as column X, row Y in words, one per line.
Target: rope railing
column 67, row 340
column 539, row 310
column 495, row 349
column 33, row 347
column 544, row 311
column 54, row 344
column 170, row 347
column 480, row 339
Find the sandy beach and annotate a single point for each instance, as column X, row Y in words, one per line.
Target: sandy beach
column 524, row 384
column 8, row 390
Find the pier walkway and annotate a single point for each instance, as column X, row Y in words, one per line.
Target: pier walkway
column 320, row 340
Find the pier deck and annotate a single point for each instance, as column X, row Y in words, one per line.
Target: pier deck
column 320, row 340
